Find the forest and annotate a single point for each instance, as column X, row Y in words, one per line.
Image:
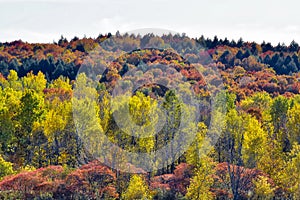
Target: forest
column 229, row 110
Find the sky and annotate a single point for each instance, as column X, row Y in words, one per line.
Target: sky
column 46, row 20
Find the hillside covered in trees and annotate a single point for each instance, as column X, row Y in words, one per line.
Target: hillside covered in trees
column 49, row 107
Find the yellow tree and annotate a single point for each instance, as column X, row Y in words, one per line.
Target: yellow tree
column 137, row 189
column 136, row 117
column 272, row 162
column 86, row 118
column 233, row 144
column 105, row 111
column 293, row 124
column 35, row 82
column 143, row 112
column 262, row 188
column 202, row 180
column 195, row 151
column 14, row 81
column 9, row 107
column 291, row 174
column 254, row 143
column 31, row 111
column 6, row 168
column 54, row 125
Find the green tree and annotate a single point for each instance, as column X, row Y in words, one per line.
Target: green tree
column 279, row 113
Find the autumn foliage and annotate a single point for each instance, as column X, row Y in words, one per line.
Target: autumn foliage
column 43, row 154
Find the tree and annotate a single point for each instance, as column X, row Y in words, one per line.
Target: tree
column 13, row 80
column 92, row 181
column 31, row 111
column 194, row 154
column 202, row 180
column 296, row 60
column 87, row 123
column 215, row 42
column 272, row 161
column 283, row 169
column 143, row 111
column 156, row 42
column 240, row 43
column 267, row 60
column 294, row 46
column 9, row 106
column 54, row 127
column 293, row 124
column 266, row 46
column 135, row 122
column 237, row 148
column 59, row 69
column 14, row 65
column 260, row 101
column 105, row 112
column 291, row 174
column 279, row 110
column 239, row 55
column 6, row 168
column 254, row 143
column 233, row 145
column 47, row 67
column 262, row 188
column 36, row 83
column 62, row 41
column 4, row 68
column 226, row 57
column 291, row 67
column 173, row 109
column 137, row 189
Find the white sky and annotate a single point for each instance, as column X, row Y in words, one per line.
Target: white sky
column 46, row 20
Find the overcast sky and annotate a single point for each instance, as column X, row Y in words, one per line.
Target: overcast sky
column 46, row 20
